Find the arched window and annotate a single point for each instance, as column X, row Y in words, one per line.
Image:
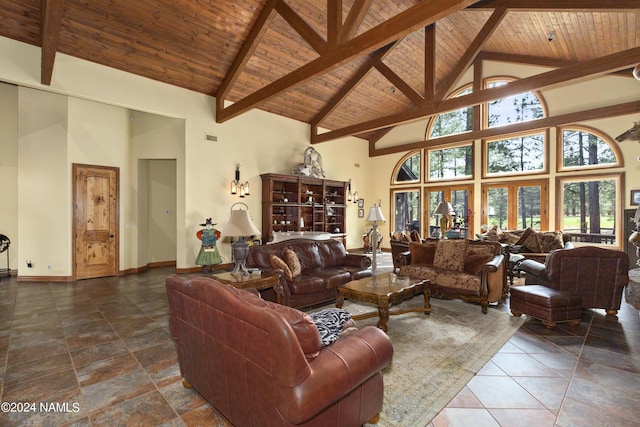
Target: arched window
column 408, row 169
column 583, row 148
column 453, row 122
column 512, row 109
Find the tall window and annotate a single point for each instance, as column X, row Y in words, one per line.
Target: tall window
column 460, row 197
column 451, row 163
column 513, row 206
column 589, row 208
column 406, row 214
column 519, row 154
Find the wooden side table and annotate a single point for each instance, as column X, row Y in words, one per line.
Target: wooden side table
column 257, row 281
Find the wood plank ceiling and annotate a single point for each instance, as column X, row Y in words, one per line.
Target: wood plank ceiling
column 353, row 67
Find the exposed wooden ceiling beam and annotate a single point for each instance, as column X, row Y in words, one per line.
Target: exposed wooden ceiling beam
column 605, row 64
column 471, row 53
column 334, row 21
column 430, row 61
column 398, row 82
column 350, row 85
column 547, row 5
column 50, row 34
column 248, row 47
column 561, row 120
column 354, row 19
column 396, row 27
column 297, row 23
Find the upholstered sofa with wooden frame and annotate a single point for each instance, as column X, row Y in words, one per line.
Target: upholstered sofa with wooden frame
column 530, row 243
column 471, row 270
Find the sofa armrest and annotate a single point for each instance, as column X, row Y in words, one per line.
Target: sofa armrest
column 532, row 267
column 403, row 258
column 338, row 369
column 494, row 264
column 357, row 260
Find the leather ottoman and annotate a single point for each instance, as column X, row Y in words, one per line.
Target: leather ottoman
column 549, row 305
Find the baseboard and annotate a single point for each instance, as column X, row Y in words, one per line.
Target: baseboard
column 55, row 279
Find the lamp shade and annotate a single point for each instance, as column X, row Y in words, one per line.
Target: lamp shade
column 375, row 214
column 444, row 208
column 240, row 224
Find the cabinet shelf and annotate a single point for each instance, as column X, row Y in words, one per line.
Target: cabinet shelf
column 325, row 212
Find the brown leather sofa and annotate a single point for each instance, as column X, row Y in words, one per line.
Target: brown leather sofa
column 325, row 266
column 262, row 364
column 596, row 274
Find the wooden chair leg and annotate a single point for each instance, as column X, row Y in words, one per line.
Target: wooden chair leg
column 611, row 312
column 548, row 324
column 375, row 419
column 185, row 383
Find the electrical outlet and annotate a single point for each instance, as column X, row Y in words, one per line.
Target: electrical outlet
column 29, row 264
column 49, row 267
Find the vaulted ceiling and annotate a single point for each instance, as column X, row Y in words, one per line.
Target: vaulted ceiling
column 353, row 67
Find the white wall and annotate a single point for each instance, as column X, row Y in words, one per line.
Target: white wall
column 260, row 141
column 9, row 171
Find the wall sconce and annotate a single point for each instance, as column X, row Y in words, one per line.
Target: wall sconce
column 351, row 197
column 236, row 185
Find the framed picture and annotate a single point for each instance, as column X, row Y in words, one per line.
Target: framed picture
column 635, row 197
column 361, row 203
column 361, row 213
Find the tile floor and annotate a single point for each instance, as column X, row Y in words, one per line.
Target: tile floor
column 98, row 352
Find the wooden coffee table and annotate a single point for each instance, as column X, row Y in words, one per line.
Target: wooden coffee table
column 383, row 291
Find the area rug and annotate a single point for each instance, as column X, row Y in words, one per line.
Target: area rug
column 435, row 355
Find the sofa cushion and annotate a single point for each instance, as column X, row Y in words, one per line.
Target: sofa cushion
column 510, row 238
column 417, row 271
column 550, row 240
column 333, row 277
column 330, row 323
column 450, row 254
column 530, row 241
column 485, row 249
column 277, row 262
column 462, row 282
column 422, row 253
column 494, row 234
column 293, row 262
column 473, row 263
column 305, row 284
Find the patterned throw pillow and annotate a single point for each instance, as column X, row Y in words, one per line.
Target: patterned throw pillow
column 277, row 262
column 450, row 254
column 291, row 258
column 473, row 263
column 330, row 323
column 510, row 238
column 494, row 234
column 550, row 241
column 530, row 241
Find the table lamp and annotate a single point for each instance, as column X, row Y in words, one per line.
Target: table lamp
column 240, row 225
column 375, row 215
column 445, row 209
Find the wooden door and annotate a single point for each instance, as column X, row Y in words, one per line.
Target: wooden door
column 95, row 201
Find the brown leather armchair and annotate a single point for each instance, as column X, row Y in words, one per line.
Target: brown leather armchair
column 260, row 363
column 596, row 274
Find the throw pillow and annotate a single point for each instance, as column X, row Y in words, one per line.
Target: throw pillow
column 473, row 263
column 494, row 234
column 550, row 241
column 450, row 254
column 422, row 253
column 330, row 323
column 291, row 258
column 415, row 236
column 509, row 238
column 530, row 241
column 277, row 262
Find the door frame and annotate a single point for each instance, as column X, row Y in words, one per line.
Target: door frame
column 76, row 167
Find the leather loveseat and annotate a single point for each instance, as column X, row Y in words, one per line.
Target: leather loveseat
column 263, row 364
column 324, row 265
column 471, row 270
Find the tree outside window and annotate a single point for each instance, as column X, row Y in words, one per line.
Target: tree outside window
column 451, row 163
column 516, row 155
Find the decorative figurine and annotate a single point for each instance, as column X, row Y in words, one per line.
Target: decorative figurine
column 208, row 254
column 312, row 165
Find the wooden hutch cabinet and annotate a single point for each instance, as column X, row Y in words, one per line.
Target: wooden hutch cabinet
column 298, row 203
